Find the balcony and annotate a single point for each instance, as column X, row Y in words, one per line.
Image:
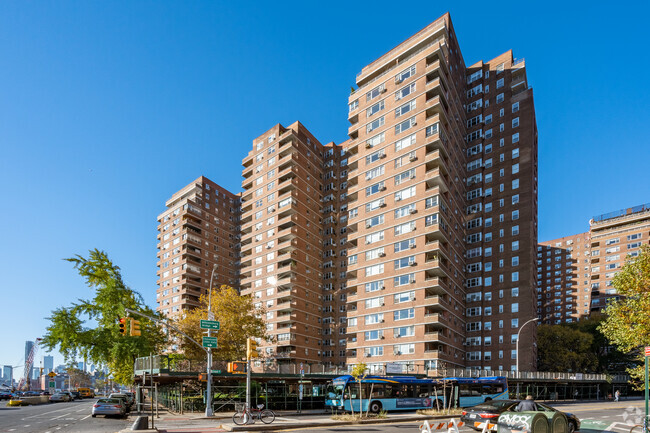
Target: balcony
column 436, row 178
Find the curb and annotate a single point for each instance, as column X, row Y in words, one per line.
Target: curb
column 287, row 426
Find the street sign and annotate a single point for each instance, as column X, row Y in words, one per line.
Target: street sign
column 647, row 351
column 52, row 384
column 209, row 324
column 210, row 342
column 51, row 374
column 217, row 371
column 300, row 389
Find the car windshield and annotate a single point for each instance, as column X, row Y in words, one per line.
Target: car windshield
column 494, row 405
column 108, row 401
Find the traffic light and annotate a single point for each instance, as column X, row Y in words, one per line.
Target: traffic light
column 122, row 326
column 236, row 367
column 251, row 348
column 135, row 328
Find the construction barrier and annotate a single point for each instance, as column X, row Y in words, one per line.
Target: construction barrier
column 451, row 426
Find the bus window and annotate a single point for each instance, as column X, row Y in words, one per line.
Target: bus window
column 379, row 390
column 423, row 390
column 407, row 391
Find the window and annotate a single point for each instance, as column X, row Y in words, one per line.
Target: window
column 515, row 122
column 404, row 143
column 403, row 126
column 499, row 98
column 375, row 92
column 515, row 183
column 515, row 138
column 499, row 83
column 353, row 105
column 408, row 313
column 515, row 168
column 406, row 73
column 375, row 124
column 374, row 270
column 405, row 176
column 374, row 189
column 409, row 106
column 375, row 172
column 405, row 193
column 375, row 108
column 404, row 91
column 515, row 107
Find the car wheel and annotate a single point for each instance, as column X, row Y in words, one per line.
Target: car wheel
column 94, row 416
column 572, row 427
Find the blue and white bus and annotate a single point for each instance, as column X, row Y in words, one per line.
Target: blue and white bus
column 393, row 393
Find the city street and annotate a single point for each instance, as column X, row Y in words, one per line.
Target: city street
column 73, row 417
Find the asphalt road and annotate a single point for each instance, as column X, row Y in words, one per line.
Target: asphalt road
column 73, row 417
column 596, row 417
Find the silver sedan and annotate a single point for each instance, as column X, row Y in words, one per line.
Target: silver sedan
column 109, row 406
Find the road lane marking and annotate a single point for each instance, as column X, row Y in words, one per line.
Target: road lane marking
column 61, row 416
column 88, row 416
column 45, row 413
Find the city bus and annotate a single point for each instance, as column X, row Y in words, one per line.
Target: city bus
column 392, row 393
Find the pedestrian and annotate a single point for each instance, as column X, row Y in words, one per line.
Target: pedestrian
column 617, row 394
column 575, row 395
column 527, row 405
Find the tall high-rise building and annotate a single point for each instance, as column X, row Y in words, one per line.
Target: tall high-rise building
column 48, row 364
column 198, row 233
column 282, row 249
column 442, row 192
column 575, row 272
column 413, row 242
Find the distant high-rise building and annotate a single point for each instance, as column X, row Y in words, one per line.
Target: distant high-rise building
column 60, row 369
column 36, row 372
column 48, row 364
column 7, row 375
column 28, row 349
column 574, row 273
column 198, row 233
column 81, row 366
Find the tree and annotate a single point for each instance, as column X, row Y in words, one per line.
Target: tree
column 70, row 329
column 78, row 378
column 359, row 373
column 238, row 319
column 627, row 324
column 564, row 348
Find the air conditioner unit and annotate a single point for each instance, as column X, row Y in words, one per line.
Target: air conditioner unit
column 367, row 242
column 397, row 352
column 413, row 264
column 382, row 304
column 413, row 246
column 382, row 204
column 368, row 225
column 273, row 210
column 396, row 335
column 398, row 80
column 412, row 158
column 382, row 254
column 368, row 145
column 368, row 355
column 412, row 281
column 413, row 211
column 412, row 176
column 398, row 198
column 382, row 155
column 382, row 188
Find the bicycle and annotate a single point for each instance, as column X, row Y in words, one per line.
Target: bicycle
column 245, row 415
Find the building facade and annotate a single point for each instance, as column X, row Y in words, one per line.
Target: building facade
column 48, row 364
column 575, row 272
column 198, row 233
column 412, row 243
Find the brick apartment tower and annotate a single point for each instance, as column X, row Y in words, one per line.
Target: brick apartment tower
column 442, row 196
column 290, row 248
column 594, row 258
column 199, row 230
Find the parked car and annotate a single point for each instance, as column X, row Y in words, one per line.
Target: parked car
column 75, row 395
column 490, row 411
column 5, row 395
column 109, row 406
column 123, row 397
column 131, row 396
column 59, row 396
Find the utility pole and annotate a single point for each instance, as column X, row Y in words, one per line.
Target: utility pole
column 517, row 350
column 208, row 396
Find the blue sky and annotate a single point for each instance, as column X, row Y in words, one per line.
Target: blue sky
column 107, row 108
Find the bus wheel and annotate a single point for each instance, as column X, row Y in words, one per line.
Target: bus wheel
column 375, row 407
column 488, row 399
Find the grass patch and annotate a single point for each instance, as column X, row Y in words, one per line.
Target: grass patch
column 356, row 417
column 439, row 412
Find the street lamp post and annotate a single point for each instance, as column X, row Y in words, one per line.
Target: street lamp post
column 208, row 397
column 517, row 349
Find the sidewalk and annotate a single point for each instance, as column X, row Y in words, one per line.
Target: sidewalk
column 198, row 423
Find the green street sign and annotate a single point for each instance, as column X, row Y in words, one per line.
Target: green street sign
column 217, row 371
column 52, row 384
column 210, row 342
column 209, row 324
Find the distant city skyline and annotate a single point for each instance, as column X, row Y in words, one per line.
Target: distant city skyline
column 140, row 99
